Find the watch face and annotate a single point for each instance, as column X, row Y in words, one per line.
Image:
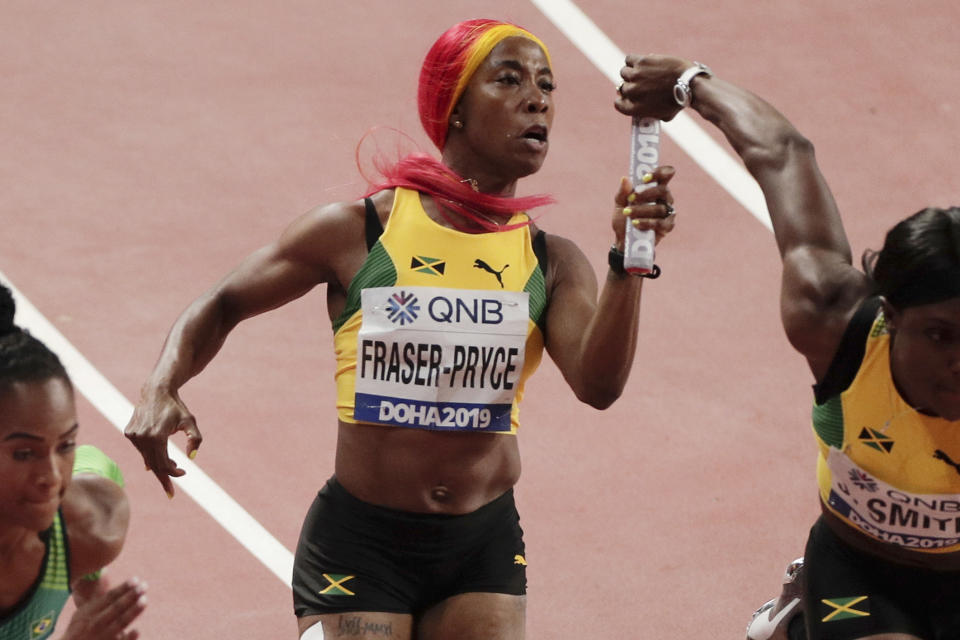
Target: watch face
column 681, row 90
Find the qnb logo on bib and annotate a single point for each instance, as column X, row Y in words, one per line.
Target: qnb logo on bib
column 402, row 307
column 471, row 311
column 921, row 521
column 440, row 359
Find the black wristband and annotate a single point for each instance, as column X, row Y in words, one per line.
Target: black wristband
column 615, row 260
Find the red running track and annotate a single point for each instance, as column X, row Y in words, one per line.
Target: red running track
column 148, row 146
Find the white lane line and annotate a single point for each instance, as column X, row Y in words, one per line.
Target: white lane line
column 117, row 410
column 727, row 170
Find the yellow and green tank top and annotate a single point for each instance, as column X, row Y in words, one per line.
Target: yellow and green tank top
column 884, row 468
column 35, row 616
column 441, row 328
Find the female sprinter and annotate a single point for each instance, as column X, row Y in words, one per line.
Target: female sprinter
column 63, row 514
column 442, row 295
column 883, row 344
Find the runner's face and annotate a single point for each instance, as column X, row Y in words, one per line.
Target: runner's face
column 507, row 112
column 38, row 429
column 925, row 356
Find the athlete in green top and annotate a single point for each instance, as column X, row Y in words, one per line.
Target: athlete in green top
column 63, row 512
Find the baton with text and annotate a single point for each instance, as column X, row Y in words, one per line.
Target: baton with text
column 638, row 249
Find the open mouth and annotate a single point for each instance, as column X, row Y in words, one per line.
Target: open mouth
column 537, row 133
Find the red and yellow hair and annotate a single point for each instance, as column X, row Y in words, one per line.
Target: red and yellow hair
column 451, row 62
column 446, row 71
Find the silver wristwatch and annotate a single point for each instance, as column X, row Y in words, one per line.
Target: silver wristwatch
column 681, row 91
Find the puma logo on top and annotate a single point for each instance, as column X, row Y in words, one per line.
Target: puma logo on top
column 480, row 264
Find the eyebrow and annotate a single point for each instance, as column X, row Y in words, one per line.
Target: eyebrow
column 20, row 435
column 515, row 64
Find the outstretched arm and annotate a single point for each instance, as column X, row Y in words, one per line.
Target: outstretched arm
column 820, row 287
column 315, row 249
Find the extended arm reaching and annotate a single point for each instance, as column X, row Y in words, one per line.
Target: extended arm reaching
column 820, row 287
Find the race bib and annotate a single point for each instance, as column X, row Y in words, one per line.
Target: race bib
column 440, row 359
column 916, row 521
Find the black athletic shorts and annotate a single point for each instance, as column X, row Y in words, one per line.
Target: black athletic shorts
column 355, row 556
column 852, row 594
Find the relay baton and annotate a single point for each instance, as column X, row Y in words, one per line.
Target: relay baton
column 644, row 157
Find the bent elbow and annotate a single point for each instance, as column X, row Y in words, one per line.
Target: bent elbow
column 782, row 145
column 605, row 402
column 109, row 517
column 599, row 397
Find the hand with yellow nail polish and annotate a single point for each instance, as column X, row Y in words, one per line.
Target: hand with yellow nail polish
column 648, row 205
column 155, row 420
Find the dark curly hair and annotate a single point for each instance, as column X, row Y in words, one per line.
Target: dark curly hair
column 23, row 358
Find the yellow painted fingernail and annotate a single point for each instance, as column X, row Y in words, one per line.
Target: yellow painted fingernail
column 170, row 494
column 632, row 197
column 192, row 454
column 627, row 211
column 635, row 223
column 647, row 177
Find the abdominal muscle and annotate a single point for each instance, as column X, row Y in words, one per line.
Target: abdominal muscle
column 425, row 471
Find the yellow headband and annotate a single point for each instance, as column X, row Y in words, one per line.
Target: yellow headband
column 482, row 47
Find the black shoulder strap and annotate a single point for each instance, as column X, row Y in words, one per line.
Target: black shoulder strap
column 539, row 243
column 540, row 250
column 846, row 362
column 372, row 227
